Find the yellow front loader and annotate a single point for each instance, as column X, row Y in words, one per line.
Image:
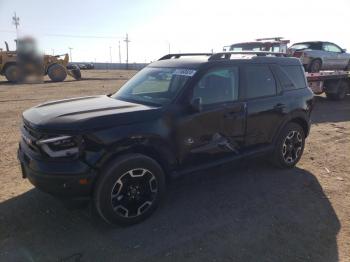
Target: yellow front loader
column 26, row 61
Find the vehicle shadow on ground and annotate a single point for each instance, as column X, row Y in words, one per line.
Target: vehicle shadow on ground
column 245, row 212
column 324, row 110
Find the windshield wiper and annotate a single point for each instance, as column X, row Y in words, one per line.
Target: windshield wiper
column 138, row 101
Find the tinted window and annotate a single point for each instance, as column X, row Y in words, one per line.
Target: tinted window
column 291, row 77
column 260, row 81
column 296, row 74
column 300, row 46
column 316, row 46
column 218, row 86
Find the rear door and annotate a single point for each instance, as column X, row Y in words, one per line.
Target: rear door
column 265, row 110
column 217, row 131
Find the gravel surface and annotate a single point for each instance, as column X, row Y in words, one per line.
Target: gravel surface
column 249, row 211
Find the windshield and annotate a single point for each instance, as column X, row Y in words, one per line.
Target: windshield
column 154, row 85
column 246, row 47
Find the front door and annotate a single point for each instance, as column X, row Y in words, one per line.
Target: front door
column 217, row 130
column 334, row 56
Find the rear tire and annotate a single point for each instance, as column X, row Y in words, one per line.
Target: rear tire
column 342, row 90
column 315, row 66
column 290, row 146
column 129, row 189
column 13, row 74
column 57, row 73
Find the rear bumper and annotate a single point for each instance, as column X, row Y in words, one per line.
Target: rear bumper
column 71, row 179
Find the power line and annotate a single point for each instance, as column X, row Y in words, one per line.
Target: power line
column 7, row 31
column 69, row 35
column 81, row 36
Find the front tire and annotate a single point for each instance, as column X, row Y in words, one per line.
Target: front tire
column 129, row 189
column 57, row 73
column 13, row 74
column 290, row 146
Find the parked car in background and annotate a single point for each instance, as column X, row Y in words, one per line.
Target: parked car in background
column 316, row 56
column 86, row 66
column 272, row 44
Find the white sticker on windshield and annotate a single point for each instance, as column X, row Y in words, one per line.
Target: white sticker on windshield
column 184, row 72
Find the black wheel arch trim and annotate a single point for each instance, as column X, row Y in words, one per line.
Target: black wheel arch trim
column 155, row 148
column 298, row 117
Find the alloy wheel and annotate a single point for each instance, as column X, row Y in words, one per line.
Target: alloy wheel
column 292, row 146
column 134, row 193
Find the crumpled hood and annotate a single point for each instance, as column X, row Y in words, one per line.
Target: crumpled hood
column 83, row 113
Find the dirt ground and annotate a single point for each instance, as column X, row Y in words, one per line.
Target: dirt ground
column 249, row 211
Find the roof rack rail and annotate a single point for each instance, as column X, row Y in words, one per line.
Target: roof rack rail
column 277, row 38
column 227, row 55
column 169, row 56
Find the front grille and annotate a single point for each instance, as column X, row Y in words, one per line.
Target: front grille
column 30, row 136
column 32, row 132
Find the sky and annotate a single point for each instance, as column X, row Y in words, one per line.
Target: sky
column 94, row 28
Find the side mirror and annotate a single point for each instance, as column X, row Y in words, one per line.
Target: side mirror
column 343, row 50
column 196, row 104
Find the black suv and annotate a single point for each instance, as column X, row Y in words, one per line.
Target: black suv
column 182, row 113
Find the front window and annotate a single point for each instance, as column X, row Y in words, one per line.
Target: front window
column 218, row 86
column 331, row 48
column 154, row 85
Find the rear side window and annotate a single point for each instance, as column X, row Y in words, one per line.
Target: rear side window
column 260, row 81
column 291, row 77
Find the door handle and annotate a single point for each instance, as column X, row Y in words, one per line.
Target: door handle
column 279, row 106
column 231, row 114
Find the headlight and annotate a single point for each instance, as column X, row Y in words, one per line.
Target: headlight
column 61, row 146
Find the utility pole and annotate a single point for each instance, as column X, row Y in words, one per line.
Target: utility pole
column 70, row 53
column 53, row 51
column 169, row 48
column 15, row 21
column 120, row 57
column 127, row 41
column 110, row 54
